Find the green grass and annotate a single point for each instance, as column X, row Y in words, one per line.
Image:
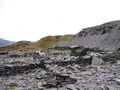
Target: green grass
column 44, row 43
column 15, row 46
column 13, row 84
column 60, row 51
column 51, row 41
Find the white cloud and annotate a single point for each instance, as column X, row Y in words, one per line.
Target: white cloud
column 34, row 19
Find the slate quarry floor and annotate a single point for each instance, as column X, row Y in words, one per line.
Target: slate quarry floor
column 20, row 70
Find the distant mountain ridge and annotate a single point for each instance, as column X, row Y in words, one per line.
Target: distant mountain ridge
column 5, row 42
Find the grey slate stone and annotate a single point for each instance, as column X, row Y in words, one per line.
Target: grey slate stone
column 104, row 37
column 97, row 61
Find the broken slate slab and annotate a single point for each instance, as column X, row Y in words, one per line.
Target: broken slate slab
column 97, row 60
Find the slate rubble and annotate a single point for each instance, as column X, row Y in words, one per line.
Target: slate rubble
column 45, row 70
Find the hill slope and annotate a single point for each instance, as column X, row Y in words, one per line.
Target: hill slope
column 15, row 46
column 51, row 41
column 44, row 43
column 105, row 36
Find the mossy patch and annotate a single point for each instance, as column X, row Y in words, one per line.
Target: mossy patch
column 13, row 84
column 60, row 51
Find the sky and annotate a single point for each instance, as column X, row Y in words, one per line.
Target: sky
column 33, row 19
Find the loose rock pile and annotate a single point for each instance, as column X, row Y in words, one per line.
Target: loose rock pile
column 105, row 37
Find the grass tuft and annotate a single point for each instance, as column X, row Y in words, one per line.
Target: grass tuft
column 13, row 84
column 60, row 51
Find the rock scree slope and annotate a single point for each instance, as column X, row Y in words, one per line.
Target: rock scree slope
column 105, row 37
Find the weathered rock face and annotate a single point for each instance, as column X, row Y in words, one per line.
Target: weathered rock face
column 105, row 37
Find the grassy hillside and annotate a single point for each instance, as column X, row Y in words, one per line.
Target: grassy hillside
column 15, row 46
column 51, row 41
column 44, row 43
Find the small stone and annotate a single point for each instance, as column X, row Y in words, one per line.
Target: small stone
column 40, row 86
column 71, row 87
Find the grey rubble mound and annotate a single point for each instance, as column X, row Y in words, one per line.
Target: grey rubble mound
column 105, row 37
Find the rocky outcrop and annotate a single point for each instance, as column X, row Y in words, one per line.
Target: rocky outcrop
column 105, row 37
column 9, row 70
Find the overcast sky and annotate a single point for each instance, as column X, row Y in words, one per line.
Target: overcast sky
column 34, row 19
